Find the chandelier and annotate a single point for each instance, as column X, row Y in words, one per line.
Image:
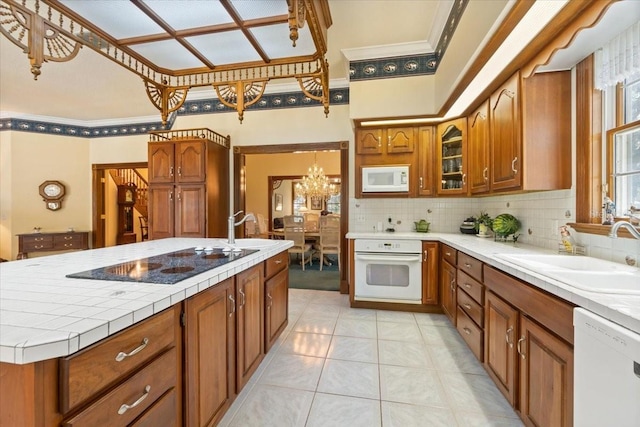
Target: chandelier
column 315, row 184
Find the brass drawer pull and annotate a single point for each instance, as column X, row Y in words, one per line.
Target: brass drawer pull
column 520, row 352
column 244, row 298
column 466, row 264
column 278, row 261
column 124, row 408
column 122, row 355
column 38, row 239
column 270, row 301
column 466, row 285
column 447, row 253
column 507, row 337
column 68, row 245
column 68, row 237
column 467, row 331
column 39, row 246
column 467, row 306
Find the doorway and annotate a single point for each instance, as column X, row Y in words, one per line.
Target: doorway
column 105, row 179
column 240, row 154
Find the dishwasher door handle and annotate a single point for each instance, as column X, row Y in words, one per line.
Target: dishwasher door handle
column 389, row 258
column 636, row 368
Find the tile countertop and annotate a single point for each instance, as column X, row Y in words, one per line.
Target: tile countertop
column 619, row 308
column 44, row 314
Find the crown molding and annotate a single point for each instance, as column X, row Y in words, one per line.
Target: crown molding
column 388, row 51
column 125, row 121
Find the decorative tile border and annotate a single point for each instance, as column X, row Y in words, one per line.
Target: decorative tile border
column 414, row 65
column 207, row 106
column 23, row 125
column 267, row 102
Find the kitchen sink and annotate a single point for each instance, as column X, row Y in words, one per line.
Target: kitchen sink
column 581, row 272
column 566, row 262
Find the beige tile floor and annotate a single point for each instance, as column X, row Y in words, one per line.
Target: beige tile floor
column 338, row 366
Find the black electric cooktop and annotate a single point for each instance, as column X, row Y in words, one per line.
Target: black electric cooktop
column 165, row 269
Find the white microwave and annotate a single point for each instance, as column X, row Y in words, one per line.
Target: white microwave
column 385, row 179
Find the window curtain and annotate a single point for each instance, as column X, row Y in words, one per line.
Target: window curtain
column 619, row 58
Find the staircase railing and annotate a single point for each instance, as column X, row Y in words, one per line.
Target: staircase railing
column 132, row 176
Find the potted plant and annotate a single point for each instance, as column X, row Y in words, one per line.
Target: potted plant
column 484, row 223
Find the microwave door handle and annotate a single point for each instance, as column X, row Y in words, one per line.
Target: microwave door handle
column 387, row 258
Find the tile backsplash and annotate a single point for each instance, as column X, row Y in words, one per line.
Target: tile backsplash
column 540, row 214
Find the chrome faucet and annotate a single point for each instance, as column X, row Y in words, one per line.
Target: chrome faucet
column 232, row 225
column 620, row 224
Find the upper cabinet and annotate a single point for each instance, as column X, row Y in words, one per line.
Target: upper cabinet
column 426, row 161
column 530, row 133
column 178, row 162
column 386, row 147
column 506, row 147
column 479, row 149
column 385, row 140
column 451, row 165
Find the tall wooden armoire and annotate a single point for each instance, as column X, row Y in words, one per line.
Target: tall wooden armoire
column 188, row 184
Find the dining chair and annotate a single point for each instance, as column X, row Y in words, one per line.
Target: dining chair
column 329, row 238
column 294, row 231
column 144, row 227
column 261, row 226
column 311, row 222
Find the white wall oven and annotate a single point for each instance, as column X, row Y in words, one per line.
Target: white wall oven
column 388, row 270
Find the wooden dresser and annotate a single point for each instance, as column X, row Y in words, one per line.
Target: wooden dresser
column 51, row 242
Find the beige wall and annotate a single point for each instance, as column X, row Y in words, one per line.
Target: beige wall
column 33, row 159
column 261, row 166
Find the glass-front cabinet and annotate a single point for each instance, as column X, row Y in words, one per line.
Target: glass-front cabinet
column 452, row 157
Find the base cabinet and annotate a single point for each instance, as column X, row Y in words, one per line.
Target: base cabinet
column 210, row 353
column 528, row 349
column 430, row 260
column 250, row 323
column 448, row 282
column 276, row 307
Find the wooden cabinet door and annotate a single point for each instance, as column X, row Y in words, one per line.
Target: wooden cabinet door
column 191, row 209
column 400, row 140
column 369, row 141
column 161, row 162
column 250, row 298
column 276, row 306
column 210, row 353
column 506, row 143
column 448, row 290
column 451, row 158
column 546, row 377
column 426, row 161
column 191, row 162
column 478, row 149
column 500, row 357
column 430, row 273
column 161, row 211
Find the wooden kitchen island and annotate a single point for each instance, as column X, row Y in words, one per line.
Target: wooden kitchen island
column 83, row 352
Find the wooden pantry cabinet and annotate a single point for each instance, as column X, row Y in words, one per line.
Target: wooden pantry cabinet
column 529, row 127
column 529, row 349
column 188, row 184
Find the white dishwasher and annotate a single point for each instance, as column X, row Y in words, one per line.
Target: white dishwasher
column 607, row 372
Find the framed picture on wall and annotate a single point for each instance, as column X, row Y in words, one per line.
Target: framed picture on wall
column 278, row 201
column 316, row 203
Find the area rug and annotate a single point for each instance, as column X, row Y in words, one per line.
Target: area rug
column 312, row 278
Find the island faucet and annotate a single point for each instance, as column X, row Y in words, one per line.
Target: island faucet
column 620, row 224
column 232, row 225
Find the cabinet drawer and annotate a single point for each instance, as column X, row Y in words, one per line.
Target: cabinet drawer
column 470, row 265
column 449, row 254
column 87, row 372
column 69, row 241
column 162, row 413
column 139, row 392
column 471, row 307
column 36, row 243
column 471, row 286
column 275, row 264
column 471, row 333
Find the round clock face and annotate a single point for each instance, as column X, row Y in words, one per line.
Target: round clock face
column 52, row 190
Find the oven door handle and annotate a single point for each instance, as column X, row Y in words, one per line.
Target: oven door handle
column 389, row 257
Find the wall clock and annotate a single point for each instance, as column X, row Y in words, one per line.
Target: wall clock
column 52, row 193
